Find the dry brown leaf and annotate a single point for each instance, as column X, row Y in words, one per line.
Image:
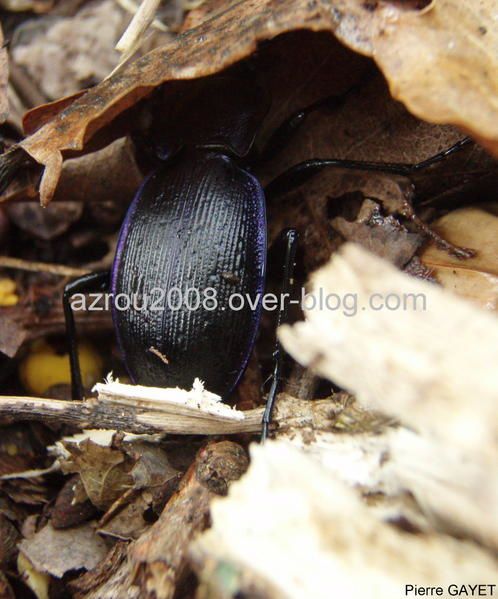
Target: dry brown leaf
column 442, row 63
column 104, row 471
column 152, row 467
column 451, row 82
column 476, row 278
column 368, row 125
column 59, row 551
column 206, row 10
column 106, row 179
column 152, row 474
column 39, row 115
column 129, row 524
column 20, row 450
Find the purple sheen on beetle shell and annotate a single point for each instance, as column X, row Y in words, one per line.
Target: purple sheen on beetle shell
column 177, row 194
column 262, row 245
column 123, row 235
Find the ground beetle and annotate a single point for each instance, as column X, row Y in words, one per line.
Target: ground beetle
column 198, row 222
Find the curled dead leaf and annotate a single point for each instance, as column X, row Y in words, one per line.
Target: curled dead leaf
column 476, row 278
column 104, row 471
column 442, row 63
column 439, row 61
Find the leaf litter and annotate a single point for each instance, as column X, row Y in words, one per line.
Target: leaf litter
column 413, row 78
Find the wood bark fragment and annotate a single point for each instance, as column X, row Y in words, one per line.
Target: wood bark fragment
column 453, row 494
column 314, row 538
column 155, row 565
column 159, row 557
column 432, row 369
column 122, row 415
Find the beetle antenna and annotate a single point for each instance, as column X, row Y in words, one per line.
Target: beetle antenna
column 298, row 174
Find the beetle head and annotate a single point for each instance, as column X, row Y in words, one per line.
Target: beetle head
column 222, row 112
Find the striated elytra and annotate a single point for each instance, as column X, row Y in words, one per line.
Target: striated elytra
column 194, row 236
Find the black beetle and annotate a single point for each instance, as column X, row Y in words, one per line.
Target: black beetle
column 198, row 223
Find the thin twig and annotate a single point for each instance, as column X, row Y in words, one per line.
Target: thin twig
column 132, row 38
column 150, row 410
column 93, row 413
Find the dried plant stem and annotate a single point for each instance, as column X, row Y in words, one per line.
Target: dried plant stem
column 137, row 409
column 94, row 413
column 132, row 7
column 132, row 38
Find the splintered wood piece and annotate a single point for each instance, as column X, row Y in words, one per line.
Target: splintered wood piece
column 159, row 557
column 315, row 538
column 429, row 361
column 432, row 368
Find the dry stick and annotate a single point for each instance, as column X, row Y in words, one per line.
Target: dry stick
column 54, row 269
column 138, row 409
column 94, row 413
column 142, row 19
column 131, row 38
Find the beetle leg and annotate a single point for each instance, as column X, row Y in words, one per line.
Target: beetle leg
column 290, row 237
column 85, row 284
column 298, row 174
